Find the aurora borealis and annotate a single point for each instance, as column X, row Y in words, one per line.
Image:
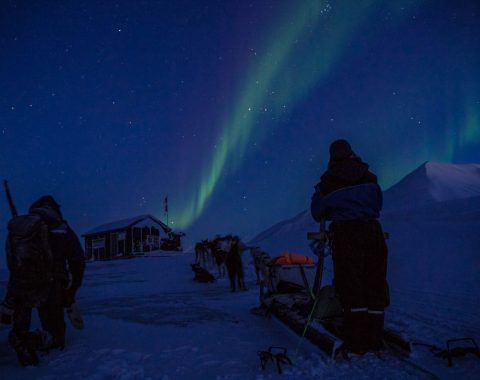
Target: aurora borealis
column 228, row 108
column 310, row 39
column 264, row 90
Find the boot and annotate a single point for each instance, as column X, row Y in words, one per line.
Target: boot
column 25, row 352
column 26, row 356
column 356, row 332
column 375, row 330
column 39, row 340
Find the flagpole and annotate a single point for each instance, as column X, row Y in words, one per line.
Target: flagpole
column 166, row 207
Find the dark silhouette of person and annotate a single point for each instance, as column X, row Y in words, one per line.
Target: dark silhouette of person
column 68, row 268
column 49, row 284
column 348, row 195
column 234, row 264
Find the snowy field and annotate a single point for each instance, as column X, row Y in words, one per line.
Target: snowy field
column 146, row 319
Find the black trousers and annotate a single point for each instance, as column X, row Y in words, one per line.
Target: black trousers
column 51, row 314
column 360, row 269
column 22, row 317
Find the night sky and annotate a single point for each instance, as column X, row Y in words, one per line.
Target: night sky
column 227, row 107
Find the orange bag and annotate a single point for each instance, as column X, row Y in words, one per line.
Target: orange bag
column 287, row 258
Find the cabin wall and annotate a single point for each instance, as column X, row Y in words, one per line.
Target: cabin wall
column 128, row 242
column 95, row 247
column 144, row 236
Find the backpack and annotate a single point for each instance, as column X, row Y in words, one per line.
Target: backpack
column 29, row 259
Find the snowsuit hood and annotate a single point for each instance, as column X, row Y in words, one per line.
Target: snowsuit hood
column 340, row 149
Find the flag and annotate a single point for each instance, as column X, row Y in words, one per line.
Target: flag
column 166, row 204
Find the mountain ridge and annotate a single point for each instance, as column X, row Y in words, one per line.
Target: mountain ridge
column 434, row 181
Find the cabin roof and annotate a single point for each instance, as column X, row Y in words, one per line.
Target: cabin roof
column 123, row 224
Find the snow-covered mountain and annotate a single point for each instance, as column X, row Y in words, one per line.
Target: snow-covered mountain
column 290, row 234
column 434, row 182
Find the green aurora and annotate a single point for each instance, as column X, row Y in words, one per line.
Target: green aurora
column 311, row 40
column 298, row 54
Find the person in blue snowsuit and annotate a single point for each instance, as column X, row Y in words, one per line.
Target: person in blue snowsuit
column 348, row 195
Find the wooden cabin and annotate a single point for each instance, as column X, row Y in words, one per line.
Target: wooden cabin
column 129, row 237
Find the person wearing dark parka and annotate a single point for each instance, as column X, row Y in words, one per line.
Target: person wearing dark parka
column 349, row 196
column 68, row 267
column 46, row 264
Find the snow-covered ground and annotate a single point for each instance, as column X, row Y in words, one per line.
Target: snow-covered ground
column 146, row 319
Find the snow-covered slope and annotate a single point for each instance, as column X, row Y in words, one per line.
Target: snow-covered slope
column 434, row 182
column 288, row 235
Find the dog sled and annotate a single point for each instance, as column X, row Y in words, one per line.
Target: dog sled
column 294, row 294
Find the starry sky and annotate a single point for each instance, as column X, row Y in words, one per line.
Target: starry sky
column 227, row 107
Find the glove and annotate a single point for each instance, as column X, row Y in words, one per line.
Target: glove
column 75, row 316
column 6, row 313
